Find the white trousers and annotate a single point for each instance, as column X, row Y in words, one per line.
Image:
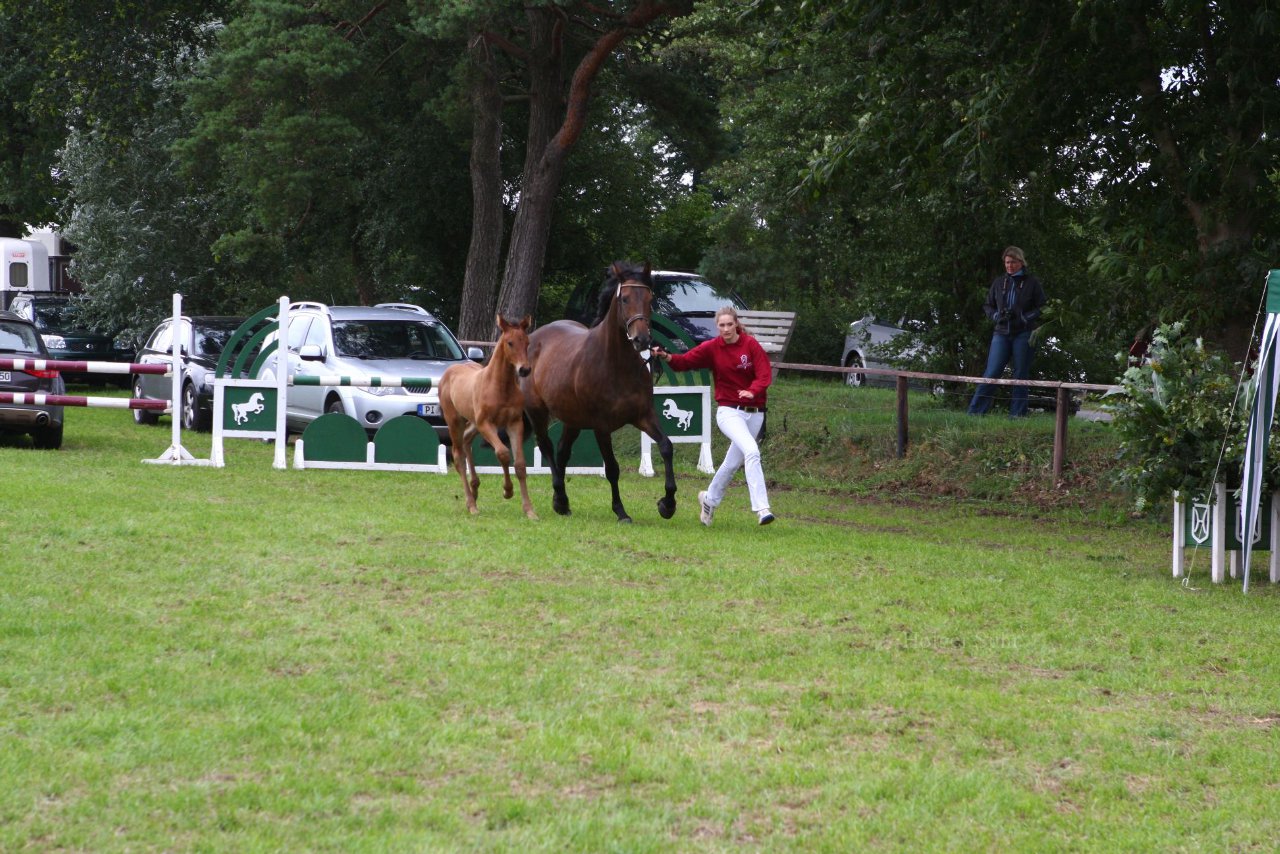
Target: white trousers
column 741, row 428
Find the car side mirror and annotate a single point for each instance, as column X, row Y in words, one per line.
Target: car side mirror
column 311, row 353
column 475, row 354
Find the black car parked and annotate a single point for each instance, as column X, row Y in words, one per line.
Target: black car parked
column 55, row 315
column 201, row 340
column 19, row 339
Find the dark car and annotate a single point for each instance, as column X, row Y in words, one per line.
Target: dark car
column 686, row 299
column 65, row 337
column 201, row 340
column 19, row 339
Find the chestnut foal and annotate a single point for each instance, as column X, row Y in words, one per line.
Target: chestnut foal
column 484, row 400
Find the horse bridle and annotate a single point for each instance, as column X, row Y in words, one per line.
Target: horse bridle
column 618, row 298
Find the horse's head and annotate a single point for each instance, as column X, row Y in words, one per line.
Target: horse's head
column 514, row 343
column 633, row 301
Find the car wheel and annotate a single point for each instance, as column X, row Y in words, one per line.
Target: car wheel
column 192, row 417
column 47, row 438
column 142, row 416
column 335, row 405
column 851, row 379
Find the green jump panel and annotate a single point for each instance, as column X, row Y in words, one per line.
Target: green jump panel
column 335, row 438
column 485, row 455
column 406, row 440
column 1198, row 518
column 586, row 451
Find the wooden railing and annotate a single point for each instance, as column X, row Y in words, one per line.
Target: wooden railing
column 903, row 378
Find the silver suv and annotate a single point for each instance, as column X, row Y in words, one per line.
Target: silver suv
column 388, row 340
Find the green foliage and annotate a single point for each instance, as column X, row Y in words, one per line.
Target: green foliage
column 1181, row 421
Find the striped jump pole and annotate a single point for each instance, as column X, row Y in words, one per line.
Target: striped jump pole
column 84, row 367
column 79, row 400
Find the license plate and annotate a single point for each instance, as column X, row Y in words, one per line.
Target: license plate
column 6, row 377
column 429, row 409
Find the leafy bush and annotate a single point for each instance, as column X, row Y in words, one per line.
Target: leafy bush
column 1182, row 424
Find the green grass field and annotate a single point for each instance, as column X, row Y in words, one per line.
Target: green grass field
column 245, row 659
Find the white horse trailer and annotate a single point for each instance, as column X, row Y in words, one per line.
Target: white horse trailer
column 24, row 267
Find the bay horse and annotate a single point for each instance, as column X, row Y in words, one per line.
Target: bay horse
column 485, row 400
column 598, row 379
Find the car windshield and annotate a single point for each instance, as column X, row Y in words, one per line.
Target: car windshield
column 54, row 314
column 19, row 338
column 211, row 338
column 687, row 296
column 394, row 339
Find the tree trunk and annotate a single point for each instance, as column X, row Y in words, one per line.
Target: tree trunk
column 480, row 284
column 366, row 287
column 544, row 163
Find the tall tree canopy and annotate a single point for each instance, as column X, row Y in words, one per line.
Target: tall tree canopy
column 862, row 155
column 78, row 64
column 1131, row 135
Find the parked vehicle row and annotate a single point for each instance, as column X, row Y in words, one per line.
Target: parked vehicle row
column 391, row 340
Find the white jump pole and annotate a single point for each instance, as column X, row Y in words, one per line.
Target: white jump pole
column 175, row 454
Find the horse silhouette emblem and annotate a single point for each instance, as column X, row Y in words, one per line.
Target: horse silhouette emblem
column 253, row 406
column 672, row 412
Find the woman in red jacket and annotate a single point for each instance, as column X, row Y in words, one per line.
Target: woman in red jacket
column 742, row 373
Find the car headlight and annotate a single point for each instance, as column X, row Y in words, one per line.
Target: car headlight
column 382, row 391
column 54, row 342
column 122, row 344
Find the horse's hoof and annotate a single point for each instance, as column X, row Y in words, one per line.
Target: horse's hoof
column 532, row 515
column 561, row 507
column 624, row 520
column 666, row 508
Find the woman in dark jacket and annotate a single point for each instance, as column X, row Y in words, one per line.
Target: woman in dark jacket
column 1013, row 304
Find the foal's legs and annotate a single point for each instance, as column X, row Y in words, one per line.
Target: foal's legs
column 490, row 433
column 473, row 477
column 460, row 444
column 515, row 432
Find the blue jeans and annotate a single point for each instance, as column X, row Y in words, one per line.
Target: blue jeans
column 1002, row 348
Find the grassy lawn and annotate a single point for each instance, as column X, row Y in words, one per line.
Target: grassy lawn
column 247, row 659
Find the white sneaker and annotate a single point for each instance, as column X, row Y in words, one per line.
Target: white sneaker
column 707, row 510
column 765, row 516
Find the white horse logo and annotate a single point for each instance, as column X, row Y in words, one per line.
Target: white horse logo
column 682, row 417
column 253, row 406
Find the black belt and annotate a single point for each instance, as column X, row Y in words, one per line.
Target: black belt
column 752, row 409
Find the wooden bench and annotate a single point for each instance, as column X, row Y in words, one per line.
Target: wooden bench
column 772, row 329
